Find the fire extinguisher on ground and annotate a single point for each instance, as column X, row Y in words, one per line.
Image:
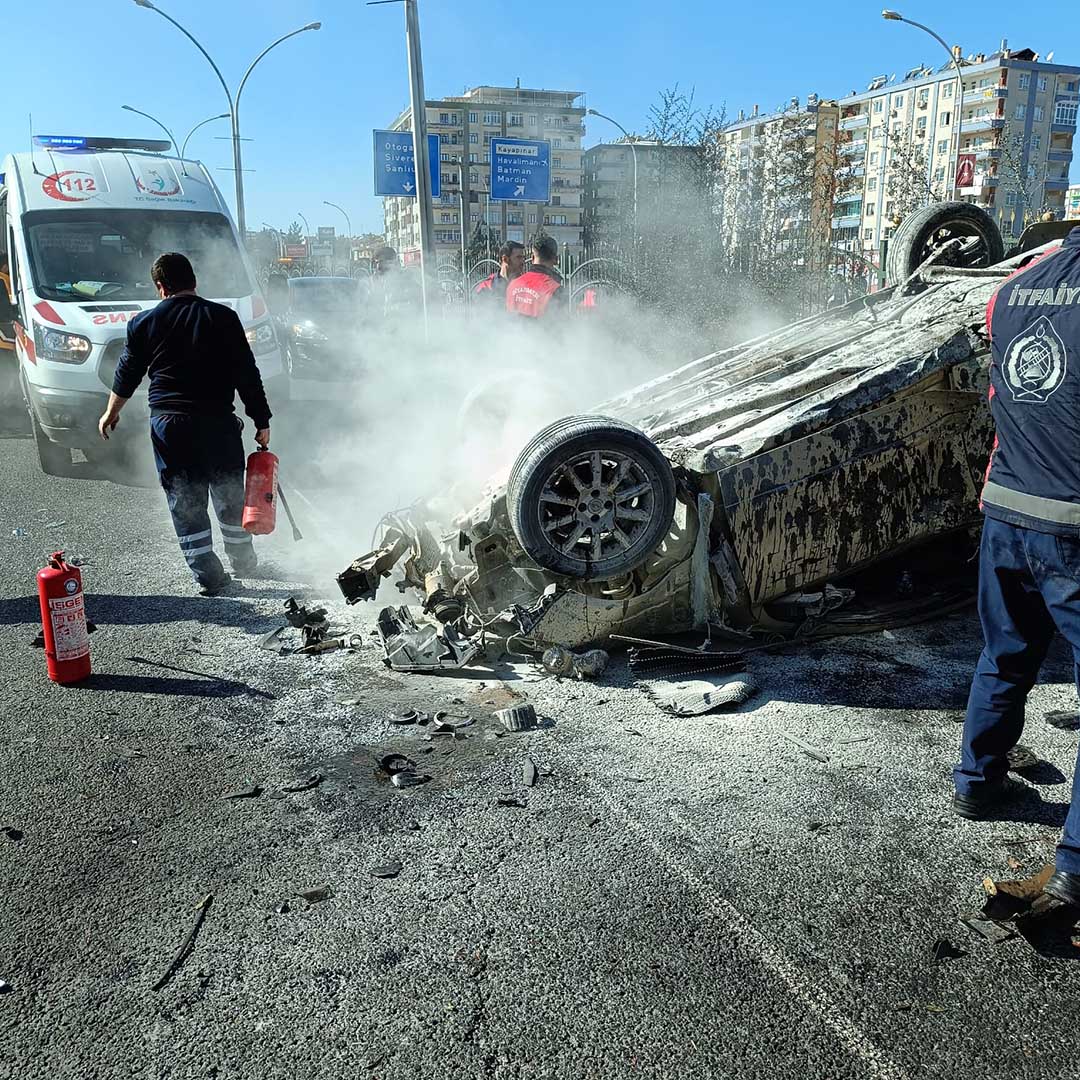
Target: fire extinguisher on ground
column 63, row 621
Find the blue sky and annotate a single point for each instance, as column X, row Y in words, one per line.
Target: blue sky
column 311, row 105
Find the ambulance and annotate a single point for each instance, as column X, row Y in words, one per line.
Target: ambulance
column 81, row 222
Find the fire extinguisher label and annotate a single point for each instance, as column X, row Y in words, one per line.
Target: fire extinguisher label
column 69, row 627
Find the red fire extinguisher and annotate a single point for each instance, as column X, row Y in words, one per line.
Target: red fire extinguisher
column 63, row 620
column 260, row 493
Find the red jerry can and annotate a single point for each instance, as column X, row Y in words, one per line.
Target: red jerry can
column 63, row 621
column 260, row 493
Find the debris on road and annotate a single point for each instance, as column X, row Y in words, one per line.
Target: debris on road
column 347, row 641
column 11, row 833
column 316, row 895
column 312, row 624
column 809, row 750
column 402, row 771
column 388, row 870
column 1022, row 757
column 659, row 658
column 944, row 949
column 1066, row 721
column 188, row 944
column 5, row 987
column 512, row 801
column 412, row 646
column 529, row 773
column 558, row 660
column 312, row 782
column 252, row 792
column 412, row 716
column 698, row 697
column 1024, row 890
column 272, row 642
column 408, row 778
column 517, row 717
column 992, row 930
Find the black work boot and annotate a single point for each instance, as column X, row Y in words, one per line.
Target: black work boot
column 216, row 588
column 1064, row 886
column 986, row 800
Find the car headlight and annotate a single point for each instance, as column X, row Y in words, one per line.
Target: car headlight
column 307, row 331
column 261, row 338
column 60, row 346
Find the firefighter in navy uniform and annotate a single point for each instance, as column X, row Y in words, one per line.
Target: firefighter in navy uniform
column 536, row 294
column 1029, row 564
column 198, row 357
column 511, row 266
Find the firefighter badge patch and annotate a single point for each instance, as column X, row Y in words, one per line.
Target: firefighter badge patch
column 1035, row 363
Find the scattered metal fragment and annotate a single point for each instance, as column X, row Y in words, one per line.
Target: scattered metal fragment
column 313, row 781
column 272, row 642
column 282, row 908
column 581, row 665
column 529, row 773
column 809, row 750
column 1066, row 721
column 316, row 895
column 413, row 716
column 660, row 658
column 698, row 697
column 408, row 778
column 188, row 943
column 990, row 929
column 395, row 763
column 517, row 717
column 1022, row 757
column 388, row 870
column 412, row 646
column 5, row 987
column 313, row 624
column 346, row 641
column 252, row 792
column 55, row 524
column 511, row 800
column 11, row 833
column 944, row 949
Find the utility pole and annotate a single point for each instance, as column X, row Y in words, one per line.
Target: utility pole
column 418, row 103
column 461, row 200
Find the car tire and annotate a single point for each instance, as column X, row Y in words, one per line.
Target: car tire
column 590, row 497
column 919, row 233
column 55, row 460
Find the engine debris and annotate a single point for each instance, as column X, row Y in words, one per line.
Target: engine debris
column 412, row 646
column 312, row 624
column 581, row 665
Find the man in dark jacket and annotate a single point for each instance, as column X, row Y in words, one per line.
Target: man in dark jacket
column 1029, row 568
column 198, row 357
column 538, row 293
column 511, row 266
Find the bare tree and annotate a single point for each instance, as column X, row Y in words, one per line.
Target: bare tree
column 908, row 188
column 1021, row 184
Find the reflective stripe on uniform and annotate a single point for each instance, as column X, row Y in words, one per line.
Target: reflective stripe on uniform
column 235, row 541
column 191, row 553
column 192, row 537
column 1057, row 510
column 233, row 530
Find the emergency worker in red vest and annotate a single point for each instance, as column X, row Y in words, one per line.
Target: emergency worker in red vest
column 492, row 290
column 1029, row 561
column 538, row 293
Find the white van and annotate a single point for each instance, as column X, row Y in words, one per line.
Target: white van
column 81, row 222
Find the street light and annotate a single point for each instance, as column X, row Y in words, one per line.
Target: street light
column 280, row 238
column 633, row 154
column 153, row 120
column 895, row 16
column 348, row 223
column 307, row 227
column 234, row 102
column 208, row 120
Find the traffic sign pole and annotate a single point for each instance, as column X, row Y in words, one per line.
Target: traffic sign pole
column 420, row 146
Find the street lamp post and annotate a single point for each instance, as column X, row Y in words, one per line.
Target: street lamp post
column 208, row 120
column 348, row 223
column 154, row 120
column 633, row 154
column 895, row 16
column 234, row 102
column 280, row 238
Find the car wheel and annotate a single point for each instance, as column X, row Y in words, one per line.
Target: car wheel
column 927, row 229
column 55, row 459
column 590, row 497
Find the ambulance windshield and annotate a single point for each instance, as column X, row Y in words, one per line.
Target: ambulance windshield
column 107, row 254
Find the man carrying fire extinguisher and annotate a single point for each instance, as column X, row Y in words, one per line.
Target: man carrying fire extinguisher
column 198, row 357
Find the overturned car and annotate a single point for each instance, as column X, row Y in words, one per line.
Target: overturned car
column 735, row 493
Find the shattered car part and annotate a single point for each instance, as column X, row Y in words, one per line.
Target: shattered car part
column 412, row 646
column 312, row 624
column 347, row 641
column 361, row 580
column 529, row 773
column 822, row 448
column 388, row 870
column 658, row 658
column 316, row 895
column 408, row 778
column 584, row 665
column 699, row 697
column 517, row 717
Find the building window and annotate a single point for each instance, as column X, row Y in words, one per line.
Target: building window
column 1036, row 141
column 898, row 101
column 924, row 97
column 474, row 178
column 556, row 162
column 1041, row 86
column 878, row 103
column 1065, row 112
column 444, row 118
column 945, row 119
column 513, row 219
column 1021, row 112
column 515, row 119
column 947, row 90
column 871, row 184
column 532, row 119
column 874, row 158
column 1037, row 114
column 939, row 174
column 474, row 139
column 474, row 159
column 897, row 130
column 943, row 146
column 1070, row 87
column 889, row 208
column 444, row 156
column 557, row 143
column 532, row 219
column 868, row 234
column 446, row 219
column 492, row 119
column 875, row 132
column 1010, row 198
column 473, row 117
column 1025, row 80
column 920, row 125
column 870, row 210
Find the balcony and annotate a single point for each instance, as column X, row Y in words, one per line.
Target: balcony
column 850, row 170
column 847, row 221
column 1061, row 128
column 979, row 185
column 983, row 153
column 983, row 123
column 1059, row 155
column 856, row 146
column 1056, row 183
column 850, row 123
column 854, row 197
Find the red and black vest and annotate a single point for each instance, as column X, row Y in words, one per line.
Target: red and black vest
column 530, row 294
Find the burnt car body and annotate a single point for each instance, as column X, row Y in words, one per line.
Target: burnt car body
column 797, row 460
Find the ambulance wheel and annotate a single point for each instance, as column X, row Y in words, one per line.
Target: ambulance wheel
column 922, row 232
column 590, row 497
column 55, row 459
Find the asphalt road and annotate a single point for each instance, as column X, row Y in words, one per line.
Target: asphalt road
column 677, row 898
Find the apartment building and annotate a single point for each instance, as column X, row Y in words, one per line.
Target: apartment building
column 773, row 178
column 670, row 190
column 897, row 145
column 466, row 125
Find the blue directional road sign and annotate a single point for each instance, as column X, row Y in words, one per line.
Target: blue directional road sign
column 395, row 163
column 520, row 170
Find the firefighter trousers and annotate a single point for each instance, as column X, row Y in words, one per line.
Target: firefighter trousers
column 200, row 458
column 1029, row 587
